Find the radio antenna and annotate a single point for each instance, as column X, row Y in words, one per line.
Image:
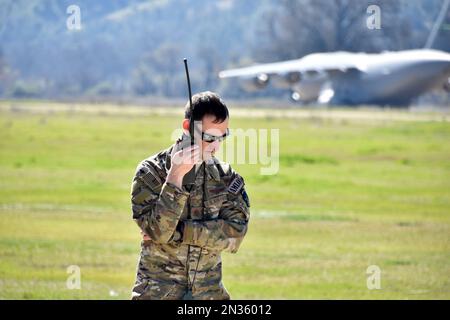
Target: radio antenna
column 191, row 118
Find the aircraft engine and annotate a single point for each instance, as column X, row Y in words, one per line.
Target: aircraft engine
column 285, row 80
column 255, row 83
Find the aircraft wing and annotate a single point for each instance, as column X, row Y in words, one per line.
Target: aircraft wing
column 269, row 68
column 318, row 62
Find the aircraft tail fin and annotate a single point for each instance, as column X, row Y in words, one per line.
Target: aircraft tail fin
column 437, row 24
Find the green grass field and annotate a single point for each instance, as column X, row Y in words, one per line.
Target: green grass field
column 349, row 194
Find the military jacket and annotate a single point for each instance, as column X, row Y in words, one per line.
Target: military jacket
column 188, row 227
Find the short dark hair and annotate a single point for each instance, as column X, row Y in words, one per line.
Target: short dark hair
column 204, row 103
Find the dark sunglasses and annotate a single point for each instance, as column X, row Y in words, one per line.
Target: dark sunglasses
column 211, row 138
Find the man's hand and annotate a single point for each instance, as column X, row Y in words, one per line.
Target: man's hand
column 181, row 163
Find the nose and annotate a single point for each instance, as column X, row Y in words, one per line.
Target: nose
column 214, row 145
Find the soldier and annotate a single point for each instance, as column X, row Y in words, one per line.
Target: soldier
column 190, row 207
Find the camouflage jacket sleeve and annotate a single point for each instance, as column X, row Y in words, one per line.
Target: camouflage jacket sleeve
column 224, row 233
column 157, row 205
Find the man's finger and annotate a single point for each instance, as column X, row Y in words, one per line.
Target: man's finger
column 188, row 151
column 192, row 148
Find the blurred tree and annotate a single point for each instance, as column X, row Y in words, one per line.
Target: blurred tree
column 142, row 82
column 211, row 60
column 160, row 72
column 137, row 46
column 293, row 28
column 7, row 76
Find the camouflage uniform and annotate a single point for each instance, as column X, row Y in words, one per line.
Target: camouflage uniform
column 186, row 239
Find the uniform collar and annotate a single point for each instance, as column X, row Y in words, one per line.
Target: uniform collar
column 212, row 169
column 167, row 160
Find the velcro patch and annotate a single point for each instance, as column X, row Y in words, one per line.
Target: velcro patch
column 150, row 177
column 236, row 185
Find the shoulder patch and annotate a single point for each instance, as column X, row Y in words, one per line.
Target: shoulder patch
column 150, row 177
column 236, row 185
column 245, row 197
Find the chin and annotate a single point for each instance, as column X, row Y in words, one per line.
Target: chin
column 207, row 156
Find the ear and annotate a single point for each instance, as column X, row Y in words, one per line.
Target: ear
column 186, row 124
